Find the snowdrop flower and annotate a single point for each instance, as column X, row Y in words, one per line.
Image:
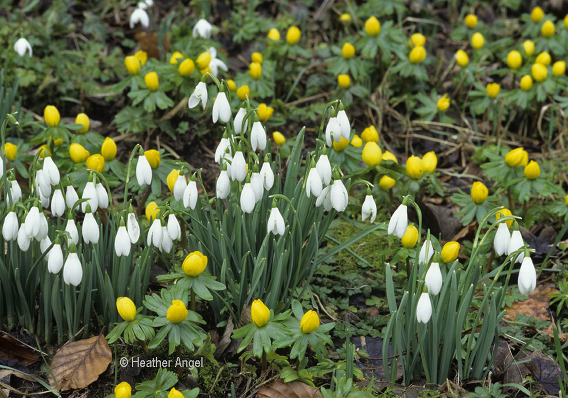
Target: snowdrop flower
column 257, row 186
column 257, row 136
column 90, row 230
column 72, row 270
column 199, row 95
column 43, row 228
column 324, row 169
column 122, row 242
column 132, row 227
column 226, row 161
column 102, row 196
column 276, row 222
column 325, row 199
column 399, row 221
column 71, row 229
column 190, row 195
column 71, row 197
column 426, row 252
column 215, row 64
column 139, row 15
column 501, row 241
column 339, row 196
column 223, row 145
column 267, row 175
column 247, row 198
column 179, row 187
column 433, row 279
column 57, row 203
column 313, row 183
column 51, row 172
column 10, row 227
column 202, row 28
column 332, row 130
column 173, row 228
column 15, row 191
column 239, row 167
column 23, row 240
column 32, row 223
column 145, row 4
column 238, row 122
column 22, row 46
column 44, row 200
column 223, row 186
column 155, row 234
column 221, row 108
column 42, row 183
column 344, row 125
column 143, row 171
column 424, row 309
column 55, row 260
column 515, row 243
column 369, row 209
column 90, row 193
column 167, row 242
column 527, row 276
column 43, row 245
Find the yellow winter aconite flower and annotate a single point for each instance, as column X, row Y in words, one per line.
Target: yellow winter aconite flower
column 96, row 162
column 410, row 237
column 84, row 120
column 243, row 92
column 357, row 141
column 293, row 35
column 177, row 312
column 539, row 72
column 345, row 19
column 477, row 40
column 176, row 56
column 78, row 153
column 232, row 85
column 417, row 55
column 532, row 170
column 559, row 68
column 172, row 178
column 123, row 390
column 344, row 81
column 504, row 213
column 537, row 14
column 443, row 103
column 543, row 58
column 528, row 46
column 310, row 322
column 153, row 157
column 566, row 21
column 151, row 211
column 278, row 138
column 273, row 36
column 370, row 134
column 11, row 151
column 514, row 59
column 450, row 251
column 462, row 59
column 255, row 70
column 479, row 192
column 259, row 313
column 175, row 394
column 341, row 145
column 132, row 64
column 348, row 51
column 194, row 264
column 417, row 40
column 203, row 60
column 493, row 90
column 256, row 57
column 372, row 154
column 108, row 149
column 414, row 167
column 206, row 70
column 547, row 29
column 264, row 112
column 142, row 56
column 386, row 182
column 186, row 68
column 526, row 83
column 430, row 161
column 566, row 197
column 126, row 308
column 51, row 116
column 389, row 156
column 151, row 80
column 372, row 26
column 470, row 21
column 514, row 158
column 43, row 151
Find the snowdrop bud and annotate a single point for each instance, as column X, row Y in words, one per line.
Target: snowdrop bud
column 424, row 308
column 257, row 186
column 22, row 46
column 223, row 186
column 267, row 176
column 23, row 240
column 72, row 270
column 190, row 195
column 221, row 108
column 515, row 243
column 139, row 15
column 90, row 193
column 57, row 203
column 15, row 191
column 501, row 241
column 174, row 229
column 369, row 209
column 276, row 222
column 55, row 260
column 167, row 242
column 344, row 125
column 202, row 28
column 42, row 183
column 223, row 145
column 324, row 169
column 71, row 197
column 399, row 221
column 433, row 279
column 239, row 167
column 10, row 227
column 339, row 196
column 313, row 183
column 71, row 228
column 122, row 242
column 247, row 198
column 143, row 171
column 238, row 122
column 426, row 252
column 155, row 234
column 51, row 171
column 179, row 188
column 90, row 230
column 43, row 227
column 257, row 137
column 527, row 276
column 31, row 223
column 199, row 95
column 332, row 130
column 133, row 228
column 102, row 196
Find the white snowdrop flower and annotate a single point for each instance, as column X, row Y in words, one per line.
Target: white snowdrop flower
column 325, row 199
column 71, row 197
column 42, row 183
column 424, row 308
column 155, row 234
column 72, row 270
column 10, row 227
column 215, row 64
column 313, row 183
column 226, row 161
column 43, row 245
column 238, row 122
column 57, row 203
column 21, row 46
column 71, row 228
column 55, row 260
column 23, row 239
column 239, row 167
column 179, row 187
column 433, row 279
column 247, row 198
column 51, row 172
column 501, row 241
column 202, row 28
column 399, row 221
column 222, row 147
column 15, row 191
column 122, row 242
column 267, row 176
column 90, row 193
column 102, row 196
column 145, row 4
column 324, row 169
column 190, row 195
column 527, row 276
column 43, row 227
column 339, row 196
column 199, row 95
column 143, row 171
column 276, row 222
column 139, row 15
column 174, row 229
column 223, row 186
column 426, row 252
column 257, row 137
column 344, row 125
column 44, row 200
column 257, row 186
column 132, row 227
column 167, row 242
column 332, row 131
column 369, row 209
column 515, row 243
column 90, row 230
column 221, row 108
column 32, row 223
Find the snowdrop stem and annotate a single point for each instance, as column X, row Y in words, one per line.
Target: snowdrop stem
column 136, row 149
column 365, row 182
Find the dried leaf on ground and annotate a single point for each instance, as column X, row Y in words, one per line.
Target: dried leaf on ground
column 295, row 389
column 79, row 363
column 535, row 306
column 12, row 349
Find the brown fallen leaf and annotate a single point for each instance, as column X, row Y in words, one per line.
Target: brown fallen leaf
column 295, row 389
column 79, row 363
column 536, row 305
column 11, row 348
column 149, row 43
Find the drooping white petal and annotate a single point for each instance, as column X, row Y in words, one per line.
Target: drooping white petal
column 313, row 183
column 433, row 279
column 239, row 167
column 267, row 176
column 221, row 108
column 426, row 252
column 57, row 203
column 71, row 197
column 238, row 122
column 90, row 230
column 324, row 169
column 344, row 125
column 501, row 241
column 202, row 28
column 223, row 145
column 257, row 186
column 179, row 187
column 527, row 276
column 139, row 16
column 72, row 270
column 10, row 227
column 200, row 94
column 133, row 228
column 247, row 198
column 71, row 228
column 122, row 242
column 369, row 209
column 257, row 137
column 399, row 221
column 223, row 186
column 55, row 260
column 515, row 243
column 102, row 196
column 143, row 171
column 90, row 193
column 21, row 46
column 276, row 223
column 424, row 308
column 339, row 197
column 190, row 195
column 174, row 229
